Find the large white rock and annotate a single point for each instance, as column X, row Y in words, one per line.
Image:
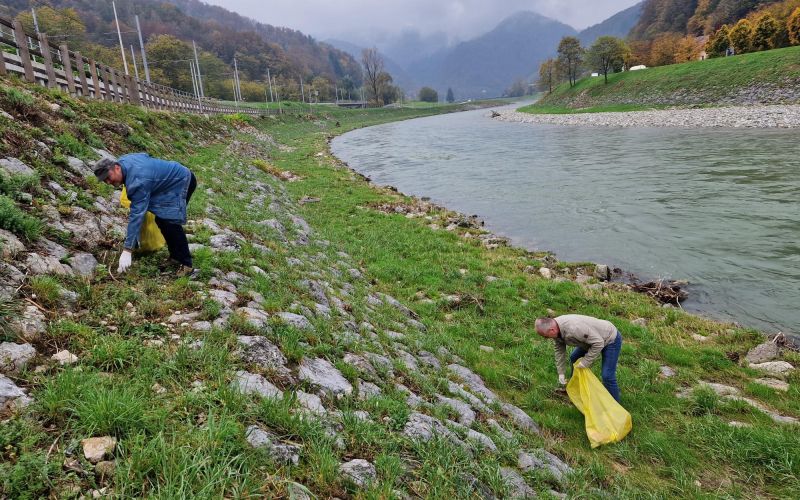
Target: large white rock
column 360, row 472
column 15, row 357
column 321, row 374
column 295, row 320
column 31, row 325
column 773, row 367
column 10, row 395
column 473, row 381
column 96, row 449
column 252, row 383
column 763, row 353
column 15, row 166
column 517, row 487
column 10, row 245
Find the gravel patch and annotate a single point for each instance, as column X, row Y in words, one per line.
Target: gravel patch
column 787, row 116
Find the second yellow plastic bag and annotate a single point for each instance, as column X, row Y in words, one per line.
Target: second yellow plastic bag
column 606, row 420
column 150, row 237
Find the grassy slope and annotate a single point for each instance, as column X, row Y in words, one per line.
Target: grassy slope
column 690, row 83
column 188, row 442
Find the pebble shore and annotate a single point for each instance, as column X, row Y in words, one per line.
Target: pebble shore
column 783, row 116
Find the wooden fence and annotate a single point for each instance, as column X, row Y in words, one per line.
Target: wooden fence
column 39, row 61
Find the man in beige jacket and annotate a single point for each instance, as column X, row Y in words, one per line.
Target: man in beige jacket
column 591, row 337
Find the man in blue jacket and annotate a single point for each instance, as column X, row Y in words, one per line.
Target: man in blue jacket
column 159, row 186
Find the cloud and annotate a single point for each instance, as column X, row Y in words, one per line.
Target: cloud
column 458, row 18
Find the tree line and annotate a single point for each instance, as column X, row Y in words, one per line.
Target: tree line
column 772, row 28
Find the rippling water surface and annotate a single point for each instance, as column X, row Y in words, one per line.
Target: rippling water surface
column 720, row 208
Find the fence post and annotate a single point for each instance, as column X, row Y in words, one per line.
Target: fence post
column 106, row 72
column 22, row 49
column 95, row 81
column 116, row 97
column 81, row 73
column 44, row 46
column 133, row 90
column 3, row 70
column 67, row 63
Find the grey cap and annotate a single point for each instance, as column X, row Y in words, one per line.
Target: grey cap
column 102, row 167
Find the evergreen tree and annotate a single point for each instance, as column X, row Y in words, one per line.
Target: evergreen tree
column 451, row 98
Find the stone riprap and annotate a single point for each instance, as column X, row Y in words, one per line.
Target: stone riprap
column 783, row 116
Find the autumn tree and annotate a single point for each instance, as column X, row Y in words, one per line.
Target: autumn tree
column 570, row 57
column 548, row 75
column 741, row 36
column 793, row 27
column 606, row 53
column 688, row 49
column 63, row 23
column 765, row 32
column 719, row 43
column 375, row 78
column 451, row 98
column 664, row 49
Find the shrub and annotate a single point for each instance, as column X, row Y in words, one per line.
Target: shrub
column 13, row 219
column 11, row 185
column 67, row 142
column 19, row 101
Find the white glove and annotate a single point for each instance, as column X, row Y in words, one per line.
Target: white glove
column 124, row 261
column 562, row 380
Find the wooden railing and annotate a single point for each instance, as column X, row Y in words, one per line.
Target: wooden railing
column 37, row 60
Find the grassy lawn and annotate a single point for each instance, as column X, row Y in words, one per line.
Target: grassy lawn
column 692, row 83
column 180, row 427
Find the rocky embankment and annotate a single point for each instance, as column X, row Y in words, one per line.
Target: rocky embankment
column 373, row 345
column 779, row 117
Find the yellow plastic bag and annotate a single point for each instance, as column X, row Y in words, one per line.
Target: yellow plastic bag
column 150, row 237
column 606, row 420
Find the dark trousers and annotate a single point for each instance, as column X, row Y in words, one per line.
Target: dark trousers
column 609, row 370
column 177, row 243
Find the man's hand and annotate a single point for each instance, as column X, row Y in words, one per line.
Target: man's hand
column 562, row 380
column 581, row 364
column 124, row 261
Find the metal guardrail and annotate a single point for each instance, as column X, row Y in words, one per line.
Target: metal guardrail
column 55, row 66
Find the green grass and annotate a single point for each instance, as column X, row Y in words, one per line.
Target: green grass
column 181, row 428
column 694, row 83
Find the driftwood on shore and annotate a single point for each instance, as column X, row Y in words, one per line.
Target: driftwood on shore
column 664, row 291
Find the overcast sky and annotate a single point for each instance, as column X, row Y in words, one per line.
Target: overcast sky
column 460, row 19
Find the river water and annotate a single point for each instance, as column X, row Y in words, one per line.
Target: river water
column 717, row 207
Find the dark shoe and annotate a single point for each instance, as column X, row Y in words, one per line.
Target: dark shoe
column 186, row 271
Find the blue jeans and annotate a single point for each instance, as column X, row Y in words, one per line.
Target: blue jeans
column 609, row 371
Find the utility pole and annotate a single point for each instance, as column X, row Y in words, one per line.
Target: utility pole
column 197, row 65
column 141, row 48
column 236, row 89
column 302, row 92
column 135, row 67
column 278, row 97
column 269, row 79
column 35, row 20
column 196, row 81
column 119, row 34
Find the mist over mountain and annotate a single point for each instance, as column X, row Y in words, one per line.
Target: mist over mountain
column 619, row 25
column 488, row 64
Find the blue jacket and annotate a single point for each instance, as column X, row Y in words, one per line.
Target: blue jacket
column 154, row 185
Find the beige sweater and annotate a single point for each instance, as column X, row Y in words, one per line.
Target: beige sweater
column 587, row 332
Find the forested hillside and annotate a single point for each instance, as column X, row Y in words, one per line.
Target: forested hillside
column 697, row 17
column 222, row 34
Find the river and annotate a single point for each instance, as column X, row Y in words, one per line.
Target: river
column 717, row 207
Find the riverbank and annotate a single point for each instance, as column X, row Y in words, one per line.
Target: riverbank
column 335, row 342
column 778, row 117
